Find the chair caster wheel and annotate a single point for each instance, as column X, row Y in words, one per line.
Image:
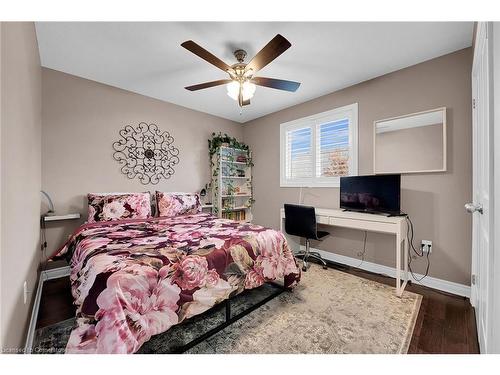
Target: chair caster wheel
column 325, row 267
column 304, row 268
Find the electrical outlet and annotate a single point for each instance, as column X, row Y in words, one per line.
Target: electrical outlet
column 427, row 246
column 25, row 292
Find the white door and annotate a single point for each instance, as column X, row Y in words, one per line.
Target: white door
column 480, row 207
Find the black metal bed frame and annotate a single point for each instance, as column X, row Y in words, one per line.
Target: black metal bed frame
column 229, row 319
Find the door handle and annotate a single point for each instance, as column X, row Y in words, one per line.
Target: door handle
column 470, row 207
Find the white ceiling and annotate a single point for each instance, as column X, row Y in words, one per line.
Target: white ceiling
column 147, row 58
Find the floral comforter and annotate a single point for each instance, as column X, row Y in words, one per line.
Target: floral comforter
column 132, row 279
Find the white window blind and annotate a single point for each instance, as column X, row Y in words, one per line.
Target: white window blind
column 317, row 150
column 332, row 147
column 299, row 153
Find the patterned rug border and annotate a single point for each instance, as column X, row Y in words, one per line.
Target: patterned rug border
column 405, row 345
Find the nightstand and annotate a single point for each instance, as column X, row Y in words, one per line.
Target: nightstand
column 44, row 219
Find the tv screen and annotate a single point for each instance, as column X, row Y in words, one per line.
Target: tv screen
column 375, row 194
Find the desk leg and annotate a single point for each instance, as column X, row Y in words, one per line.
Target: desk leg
column 407, row 254
column 398, row 264
column 401, row 247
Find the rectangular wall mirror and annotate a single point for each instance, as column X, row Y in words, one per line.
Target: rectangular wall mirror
column 414, row 143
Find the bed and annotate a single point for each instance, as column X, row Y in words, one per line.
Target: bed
column 132, row 279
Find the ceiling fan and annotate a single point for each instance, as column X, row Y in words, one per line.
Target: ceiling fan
column 241, row 82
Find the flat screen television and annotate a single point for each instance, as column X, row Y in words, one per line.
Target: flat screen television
column 372, row 194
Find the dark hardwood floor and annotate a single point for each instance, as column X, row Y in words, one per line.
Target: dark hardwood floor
column 56, row 303
column 445, row 322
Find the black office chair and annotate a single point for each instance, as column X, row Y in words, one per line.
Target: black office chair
column 301, row 221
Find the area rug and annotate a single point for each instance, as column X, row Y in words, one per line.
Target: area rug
column 330, row 311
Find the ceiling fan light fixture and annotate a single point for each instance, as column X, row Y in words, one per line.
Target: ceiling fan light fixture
column 248, row 90
column 233, row 90
column 242, row 81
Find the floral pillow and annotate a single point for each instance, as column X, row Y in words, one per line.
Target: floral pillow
column 107, row 207
column 174, row 204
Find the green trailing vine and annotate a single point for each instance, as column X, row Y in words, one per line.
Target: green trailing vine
column 220, row 139
column 223, row 140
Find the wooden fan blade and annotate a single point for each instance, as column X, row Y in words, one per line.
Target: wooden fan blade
column 273, row 83
column 246, row 102
column 205, row 55
column 273, row 49
column 206, row 85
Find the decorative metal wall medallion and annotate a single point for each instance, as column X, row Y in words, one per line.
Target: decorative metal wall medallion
column 146, row 153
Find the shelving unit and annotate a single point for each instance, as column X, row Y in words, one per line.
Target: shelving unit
column 232, row 184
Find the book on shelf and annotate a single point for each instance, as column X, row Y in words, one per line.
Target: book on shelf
column 235, row 215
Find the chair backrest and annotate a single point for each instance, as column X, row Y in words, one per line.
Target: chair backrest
column 300, row 221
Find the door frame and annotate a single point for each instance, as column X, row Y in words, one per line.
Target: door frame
column 484, row 34
column 495, row 36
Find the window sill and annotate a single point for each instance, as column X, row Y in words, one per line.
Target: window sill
column 310, row 185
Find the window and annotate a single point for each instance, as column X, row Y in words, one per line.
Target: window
column 317, row 150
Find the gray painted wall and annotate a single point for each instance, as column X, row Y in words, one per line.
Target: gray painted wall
column 21, row 107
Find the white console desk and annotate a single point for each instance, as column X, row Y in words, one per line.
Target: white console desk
column 366, row 222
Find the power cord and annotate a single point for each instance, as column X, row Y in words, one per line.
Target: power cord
column 43, row 240
column 409, row 228
column 410, row 236
column 362, row 254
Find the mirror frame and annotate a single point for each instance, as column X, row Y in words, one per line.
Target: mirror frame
column 443, row 169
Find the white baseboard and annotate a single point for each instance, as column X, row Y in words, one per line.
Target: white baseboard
column 56, row 273
column 430, row 282
column 44, row 276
